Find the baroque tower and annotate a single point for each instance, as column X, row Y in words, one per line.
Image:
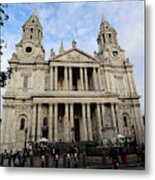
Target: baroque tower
column 30, row 49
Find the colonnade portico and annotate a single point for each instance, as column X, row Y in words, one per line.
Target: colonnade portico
column 68, row 78
column 85, row 120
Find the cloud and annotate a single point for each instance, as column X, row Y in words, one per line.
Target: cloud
column 81, row 21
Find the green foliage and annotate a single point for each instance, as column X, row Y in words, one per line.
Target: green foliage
column 3, row 17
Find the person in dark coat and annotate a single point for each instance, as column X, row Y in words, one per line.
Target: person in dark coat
column 113, row 154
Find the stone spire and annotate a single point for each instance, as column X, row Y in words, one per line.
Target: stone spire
column 103, row 19
column 107, row 35
column 35, row 11
column 61, row 50
column 73, row 44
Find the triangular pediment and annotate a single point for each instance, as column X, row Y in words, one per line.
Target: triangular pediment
column 75, row 55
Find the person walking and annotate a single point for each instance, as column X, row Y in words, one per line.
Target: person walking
column 68, row 160
column 17, row 162
column 113, row 154
column 76, row 160
column 56, row 160
column 9, row 158
column 42, row 160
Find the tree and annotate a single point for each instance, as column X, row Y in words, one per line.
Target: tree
column 3, row 17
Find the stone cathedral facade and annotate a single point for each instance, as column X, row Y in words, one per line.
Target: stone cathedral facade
column 73, row 96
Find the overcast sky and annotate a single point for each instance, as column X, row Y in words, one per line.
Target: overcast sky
column 81, row 21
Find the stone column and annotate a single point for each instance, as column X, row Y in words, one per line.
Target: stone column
column 71, row 121
column 66, row 123
column 66, row 79
column 117, row 118
column 55, row 122
column 102, row 110
column 99, row 79
column 56, row 78
column 99, row 118
column 85, row 138
column 51, row 78
column 70, row 78
column 39, row 122
column 95, row 79
column 86, row 79
column 81, row 77
column 89, row 122
column 50, row 129
column 132, row 83
column 107, row 81
column 33, row 122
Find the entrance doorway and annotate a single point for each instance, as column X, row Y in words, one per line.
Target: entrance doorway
column 45, row 128
column 77, row 129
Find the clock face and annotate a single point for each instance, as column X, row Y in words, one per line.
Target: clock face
column 115, row 53
column 28, row 49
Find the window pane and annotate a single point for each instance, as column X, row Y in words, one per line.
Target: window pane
column 25, row 82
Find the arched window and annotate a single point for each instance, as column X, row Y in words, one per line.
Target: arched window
column 22, row 124
column 125, row 121
column 45, row 121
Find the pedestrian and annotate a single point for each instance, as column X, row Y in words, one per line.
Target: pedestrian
column 56, row 160
column 53, row 151
column 123, row 154
column 42, row 160
column 113, row 154
column 84, row 159
column 2, row 159
column 47, row 160
column 64, row 160
column 104, row 160
column 138, row 153
column 68, row 160
column 76, row 160
column 9, row 158
column 31, row 158
column 17, row 163
column 142, row 154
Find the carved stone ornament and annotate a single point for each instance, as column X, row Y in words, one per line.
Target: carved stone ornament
column 74, row 58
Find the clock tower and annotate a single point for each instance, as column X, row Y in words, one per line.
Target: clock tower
column 30, row 48
column 108, row 43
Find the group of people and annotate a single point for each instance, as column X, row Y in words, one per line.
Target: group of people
column 17, row 158
column 71, row 158
column 122, row 152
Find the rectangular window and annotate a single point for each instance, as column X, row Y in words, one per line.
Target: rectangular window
column 25, row 82
column 47, row 83
column 120, row 89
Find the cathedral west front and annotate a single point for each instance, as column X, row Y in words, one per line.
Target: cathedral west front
column 73, row 96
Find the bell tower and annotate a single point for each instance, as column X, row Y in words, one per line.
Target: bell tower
column 30, row 47
column 32, row 29
column 107, row 41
